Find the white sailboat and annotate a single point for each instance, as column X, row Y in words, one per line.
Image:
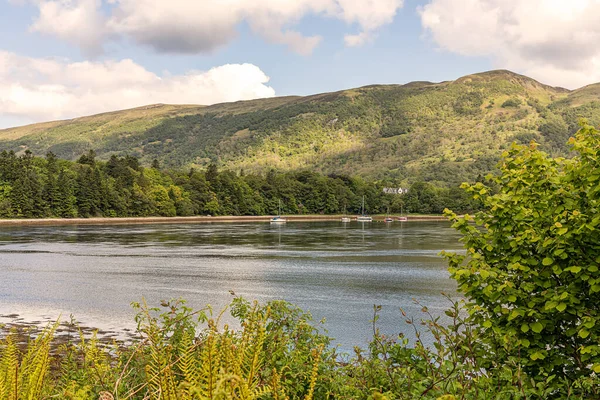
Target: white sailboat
column 402, row 217
column 388, row 219
column 345, row 218
column 279, row 219
column 364, row 217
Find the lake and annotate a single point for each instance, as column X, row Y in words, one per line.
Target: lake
column 336, row 271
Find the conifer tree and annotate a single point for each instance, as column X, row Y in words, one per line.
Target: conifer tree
column 51, row 191
column 66, row 202
column 26, row 195
column 89, row 191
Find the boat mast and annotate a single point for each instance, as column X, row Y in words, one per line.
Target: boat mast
column 363, row 206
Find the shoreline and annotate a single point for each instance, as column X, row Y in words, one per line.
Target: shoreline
column 191, row 220
column 23, row 328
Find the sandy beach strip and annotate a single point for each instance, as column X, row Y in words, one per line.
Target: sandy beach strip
column 188, row 220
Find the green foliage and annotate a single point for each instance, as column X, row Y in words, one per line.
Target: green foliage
column 469, row 103
column 513, row 102
column 25, row 375
column 453, row 366
column 531, row 272
column 276, row 354
column 555, row 132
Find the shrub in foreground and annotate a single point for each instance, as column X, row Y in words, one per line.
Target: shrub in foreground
column 532, row 268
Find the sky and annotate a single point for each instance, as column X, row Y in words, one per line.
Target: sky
column 66, row 58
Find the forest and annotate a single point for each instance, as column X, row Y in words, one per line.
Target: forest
column 49, row 187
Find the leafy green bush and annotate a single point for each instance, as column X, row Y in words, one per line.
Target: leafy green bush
column 531, row 272
column 512, row 102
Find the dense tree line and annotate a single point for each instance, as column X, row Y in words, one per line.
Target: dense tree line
column 34, row 187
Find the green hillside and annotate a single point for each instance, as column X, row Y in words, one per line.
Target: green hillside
column 443, row 132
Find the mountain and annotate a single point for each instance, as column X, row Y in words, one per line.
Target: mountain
column 444, row 132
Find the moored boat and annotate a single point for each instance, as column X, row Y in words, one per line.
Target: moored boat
column 388, row 219
column 364, row 217
column 279, row 219
column 402, row 217
column 345, row 217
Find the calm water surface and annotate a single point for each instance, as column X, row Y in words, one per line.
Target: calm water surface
column 337, row 271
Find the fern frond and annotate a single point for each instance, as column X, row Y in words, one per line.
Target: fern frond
column 9, row 367
column 210, row 360
column 188, row 361
column 276, row 389
column 316, row 353
column 35, row 365
column 254, row 352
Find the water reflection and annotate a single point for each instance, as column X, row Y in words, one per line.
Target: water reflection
column 335, row 270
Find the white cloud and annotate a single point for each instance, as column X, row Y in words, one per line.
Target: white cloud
column 555, row 41
column 357, row 40
column 78, row 22
column 38, row 89
column 184, row 26
column 369, row 14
